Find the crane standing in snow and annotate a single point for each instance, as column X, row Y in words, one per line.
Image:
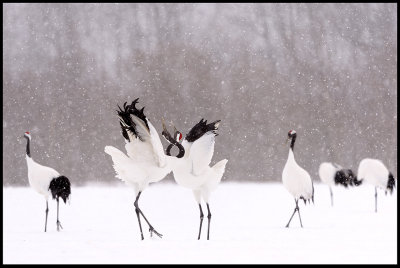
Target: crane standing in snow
column 146, row 162
column 192, row 170
column 374, row 172
column 296, row 180
column 46, row 181
column 333, row 174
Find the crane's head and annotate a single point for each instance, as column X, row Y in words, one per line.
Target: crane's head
column 291, row 134
column 27, row 135
column 173, row 141
column 165, row 133
column 177, row 135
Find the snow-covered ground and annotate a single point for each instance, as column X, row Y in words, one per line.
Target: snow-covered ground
column 247, row 226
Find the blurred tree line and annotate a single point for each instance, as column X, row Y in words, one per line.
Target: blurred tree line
column 328, row 71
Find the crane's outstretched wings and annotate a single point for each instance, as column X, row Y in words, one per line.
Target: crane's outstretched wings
column 144, row 143
column 201, row 152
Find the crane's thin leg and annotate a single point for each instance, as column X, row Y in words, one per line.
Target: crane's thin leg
column 330, row 189
column 138, row 217
column 201, row 220
column 298, row 212
column 58, row 222
column 209, row 219
column 295, row 209
column 376, row 200
column 47, row 212
column 151, row 228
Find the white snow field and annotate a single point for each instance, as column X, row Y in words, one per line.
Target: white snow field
column 247, row 226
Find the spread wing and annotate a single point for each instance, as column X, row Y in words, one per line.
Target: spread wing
column 143, row 143
column 123, row 166
column 201, row 152
column 148, row 147
column 157, row 146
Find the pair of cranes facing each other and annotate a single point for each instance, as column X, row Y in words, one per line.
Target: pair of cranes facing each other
column 146, row 162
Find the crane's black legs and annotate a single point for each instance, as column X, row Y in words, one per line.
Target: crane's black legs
column 140, row 225
column 330, row 190
column 201, row 220
column 376, row 200
column 47, row 212
column 295, row 209
column 58, row 222
column 137, row 210
column 298, row 212
column 209, row 219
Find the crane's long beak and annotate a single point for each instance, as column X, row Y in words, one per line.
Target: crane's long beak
column 287, row 140
column 163, row 124
column 165, row 132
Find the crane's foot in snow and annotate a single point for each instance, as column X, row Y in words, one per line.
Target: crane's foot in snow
column 152, row 230
column 59, row 226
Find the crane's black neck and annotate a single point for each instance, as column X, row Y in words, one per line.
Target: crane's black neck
column 180, row 147
column 168, row 151
column 293, row 141
column 28, row 151
column 173, row 142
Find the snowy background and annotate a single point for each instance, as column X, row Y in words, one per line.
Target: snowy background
column 329, row 71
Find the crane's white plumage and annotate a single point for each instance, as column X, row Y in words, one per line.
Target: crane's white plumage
column 145, row 161
column 373, row 171
column 296, row 179
column 193, row 170
column 327, row 172
column 46, row 180
column 39, row 177
column 333, row 174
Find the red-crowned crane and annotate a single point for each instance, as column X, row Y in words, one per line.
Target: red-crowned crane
column 192, row 170
column 296, row 179
column 46, row 181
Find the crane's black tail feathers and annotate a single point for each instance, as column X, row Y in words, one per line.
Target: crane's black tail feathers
column 311, row 198
column 346, row 177
column 391, row 183
column 126, row 121
column 60, row 187
column 201, row 128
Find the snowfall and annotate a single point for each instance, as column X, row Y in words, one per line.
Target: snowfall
column 247, row 226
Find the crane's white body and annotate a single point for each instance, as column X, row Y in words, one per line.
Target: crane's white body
column 40, row 176
column 327, row 172
column 193, row 171
column 374, row 172
column 145, row 161
column 46, row 181
column 296, row 179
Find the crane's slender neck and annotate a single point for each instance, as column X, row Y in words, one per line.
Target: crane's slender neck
column 180, row 147
column 293, row 141
column 291, row 155
column 28, row 151
column 173, row 142
column 168, row 151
